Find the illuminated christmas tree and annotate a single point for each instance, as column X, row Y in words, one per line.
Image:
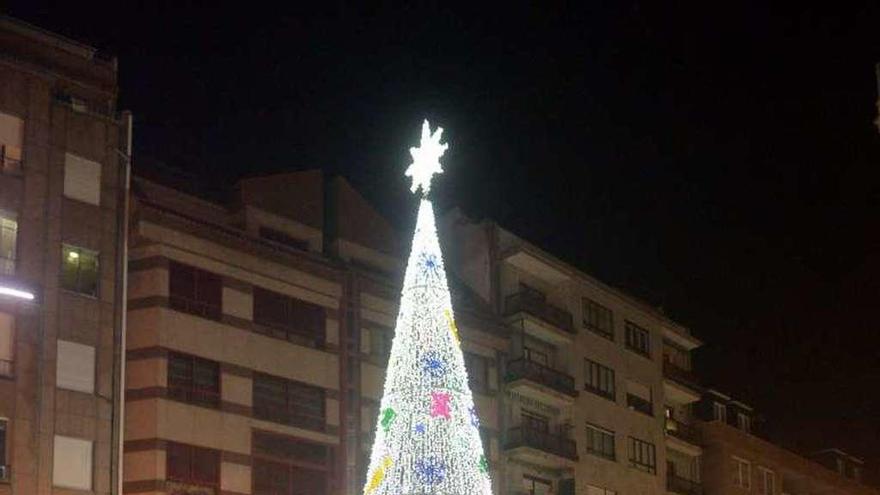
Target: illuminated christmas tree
column 427, row 435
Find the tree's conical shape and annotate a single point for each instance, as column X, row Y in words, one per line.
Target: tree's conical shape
column 427, row 435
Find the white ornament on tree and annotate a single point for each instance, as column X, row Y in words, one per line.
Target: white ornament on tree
column 427, row 435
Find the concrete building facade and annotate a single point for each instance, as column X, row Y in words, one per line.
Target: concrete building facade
column 736, row 461
column 63, row 157
column 258, row 333
column 596, row 386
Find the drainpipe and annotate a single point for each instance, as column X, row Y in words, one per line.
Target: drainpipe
column 121, row 307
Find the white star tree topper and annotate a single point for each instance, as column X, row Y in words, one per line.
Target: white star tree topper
column 426, row 159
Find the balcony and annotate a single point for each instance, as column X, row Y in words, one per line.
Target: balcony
column 540, row 318
column 540, row 447
column 9, row 165
column 682, row 431
column 680, row 385
column 684, row 486
column 680, row 375
column 639, row 404
column 559, row 385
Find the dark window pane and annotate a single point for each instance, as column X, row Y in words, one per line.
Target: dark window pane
column 195, row 291
column 178, row 461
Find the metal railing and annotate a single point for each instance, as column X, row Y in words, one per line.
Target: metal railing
column 684, row 486
column 680, row 375
column 683, row 431
column 520, row 436
column 10, row 166
column 639, row 404
column 538, row 373
column 535, row 305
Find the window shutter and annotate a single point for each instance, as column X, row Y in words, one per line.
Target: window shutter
column 6, row 341
column 75, row 369
column 73, row 463
column 82, row 179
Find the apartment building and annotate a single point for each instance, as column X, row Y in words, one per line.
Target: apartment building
column 737, row 461
column 258, row 332
column 63, row 179
column 597, row 391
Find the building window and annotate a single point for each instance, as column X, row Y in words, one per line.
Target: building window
column 597, row 490
column 638, row 339
column 600, row 442
column 743, row 422
column 79, row 270
column 82, row 179
column 742, row 473
column 288, row 402
column 4, row 474
column 194, row 380
column 11, row 134
column 283, row 238
column 638, row 398
column 535, row 422
column 192, row 465
column 7, row 343
column 766, row 482
column 537, row 486
column 76, row 469
column 599, row 379
column 642, row 455
column 8, row 243
column 289, row 317
column 598, row 319
column 719, row 412
column 75, row 367
column 380, row 341
column 195, row 291
column 288, row 466
column 478, row 372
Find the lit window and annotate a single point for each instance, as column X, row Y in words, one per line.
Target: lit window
column 742, row 473
column 8, row 241
column 79, row 270
column 75, row 367
column 11, row 132
column 73, row 463
column 82, row 179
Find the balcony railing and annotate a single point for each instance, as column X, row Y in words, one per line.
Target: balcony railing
column 544, row 441
column 538, row 373
column 680, row 375
column 10, row 166
column 535, row 305
column 684, row 486
column 683, row 431
column 639, row 404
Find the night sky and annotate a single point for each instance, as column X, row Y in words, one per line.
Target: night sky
column 717, row 160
